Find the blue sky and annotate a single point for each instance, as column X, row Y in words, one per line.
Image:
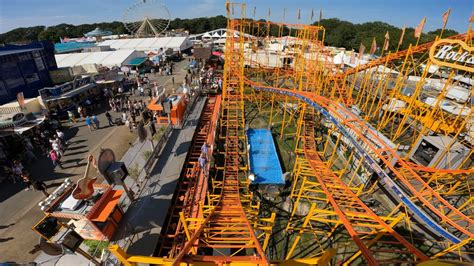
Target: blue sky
column 21, row 13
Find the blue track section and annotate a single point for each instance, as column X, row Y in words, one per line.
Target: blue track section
column 263, row 157
column 370, row 162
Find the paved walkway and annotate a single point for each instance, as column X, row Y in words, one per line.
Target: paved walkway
column 141, row 226
column 20, row 207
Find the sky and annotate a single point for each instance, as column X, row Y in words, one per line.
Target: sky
column 24, row 13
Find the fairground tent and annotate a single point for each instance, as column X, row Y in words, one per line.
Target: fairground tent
column 178, row 44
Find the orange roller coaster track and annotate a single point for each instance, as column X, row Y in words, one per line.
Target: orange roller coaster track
column 453, row 220
column 213, row 225
column 364, row 226
column 192, row 186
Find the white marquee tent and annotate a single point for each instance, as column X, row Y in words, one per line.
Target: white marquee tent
column 108, row 58
column 147, row 44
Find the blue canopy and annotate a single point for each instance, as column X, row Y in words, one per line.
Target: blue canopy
column 98, row 32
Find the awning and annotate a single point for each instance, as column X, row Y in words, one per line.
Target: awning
column 102, row 212
column 137, row 61
column 71, row 93
column 22, row 128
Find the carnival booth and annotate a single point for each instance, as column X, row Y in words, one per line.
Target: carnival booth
column 169, row 109
column 95, row 218
column 66, row 97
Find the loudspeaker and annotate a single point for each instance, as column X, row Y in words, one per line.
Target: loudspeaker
column 72, row 241
column 151, row 128
column 167, row 107
column 117, row 172
column 29, row 116
column 141, row 132
column 49, row 227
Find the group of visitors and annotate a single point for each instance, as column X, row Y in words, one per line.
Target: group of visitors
column 209, row 80
column 20, row 174
column 46, row 138
column 166, row 68
column 92, row 122
column 58, row 143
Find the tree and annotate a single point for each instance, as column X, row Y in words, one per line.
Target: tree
column 339, row 33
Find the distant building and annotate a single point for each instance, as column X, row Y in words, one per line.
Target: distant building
column 25, row 68
column 110, row 59
column 98, row 32
column 176, row 44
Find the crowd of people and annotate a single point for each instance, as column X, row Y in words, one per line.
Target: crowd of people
column 46, row 139
column 127, row 101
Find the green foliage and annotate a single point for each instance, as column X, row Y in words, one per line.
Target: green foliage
column 339, row 33
column 346, row 34
column 134, row 171
column 147, row 154
column 96, row 247
column 159, row 133
column 53, row 33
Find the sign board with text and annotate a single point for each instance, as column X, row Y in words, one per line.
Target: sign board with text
column 453, row 53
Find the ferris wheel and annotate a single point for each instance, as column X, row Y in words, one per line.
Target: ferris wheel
column 146, row 18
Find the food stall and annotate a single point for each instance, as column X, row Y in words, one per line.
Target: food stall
column 96, row 218
column 169, row 109
column 68, row 96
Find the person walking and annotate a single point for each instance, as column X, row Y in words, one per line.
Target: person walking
column 205, row 149
column 61, row 137
column 96, row 122
column 55, row 159
column 41, row 186
column 109, row 118
column 172, row 80
column 72, row 117
column 17, row 170
column 202, row 163
column 79, row 111
column 89, row 123
column 25, row 178
column 57, row 148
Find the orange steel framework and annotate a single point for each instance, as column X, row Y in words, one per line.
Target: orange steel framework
column 332, row 179
column 192, row 187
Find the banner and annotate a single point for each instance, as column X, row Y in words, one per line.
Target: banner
column 373, row 47
column 386, row 42
column 419, row 28
column 401, row 37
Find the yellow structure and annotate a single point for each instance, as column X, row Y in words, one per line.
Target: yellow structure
column 357, row 195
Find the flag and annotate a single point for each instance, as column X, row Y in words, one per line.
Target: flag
column 254, row 11
column 353, row 59
column 299, row 14
column 471, row 18
column 386, row 42
column 446, row 16
column 401, row 36
column 373, row 47
column 269, row 12
column 21, row 99
column 312, row 14
column 284, row 13
column 361, row 50
column 320, row 15
column 419, row 28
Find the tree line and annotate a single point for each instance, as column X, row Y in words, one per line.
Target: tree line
column 338, row 32
column 341, row 33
